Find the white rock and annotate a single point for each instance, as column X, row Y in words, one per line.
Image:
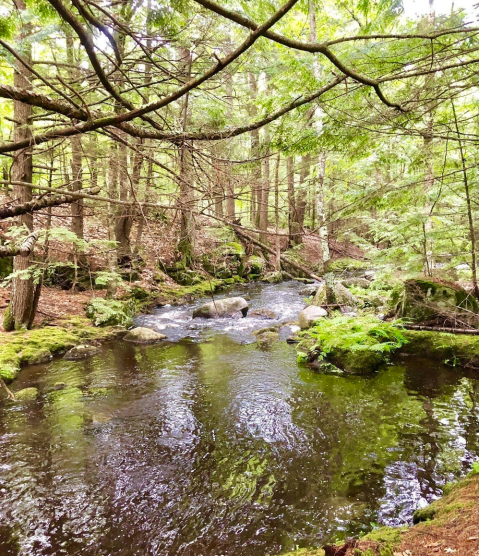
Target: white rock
column 310, row 315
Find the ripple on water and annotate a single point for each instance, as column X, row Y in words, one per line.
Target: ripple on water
column 212, row 445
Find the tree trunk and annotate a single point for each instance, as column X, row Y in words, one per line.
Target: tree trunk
column 265, row 187
column 187, row 242
column 321, row 209
column 21, row 311
column 76, row 161
column 302, row 196
column 255, row 152
column 124, row 220
column 291, row 202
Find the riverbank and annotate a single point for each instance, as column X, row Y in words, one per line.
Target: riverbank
column 54, row 335
column 450, row 525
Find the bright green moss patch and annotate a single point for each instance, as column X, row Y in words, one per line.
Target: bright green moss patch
column 39, row 345
column 451, row 349
column 354, row 344
column 27, row 394
column 390, row 537
column 171, row 294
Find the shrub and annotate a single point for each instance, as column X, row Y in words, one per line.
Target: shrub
column 110, row 312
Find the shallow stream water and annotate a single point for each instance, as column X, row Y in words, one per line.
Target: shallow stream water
column 209, row 444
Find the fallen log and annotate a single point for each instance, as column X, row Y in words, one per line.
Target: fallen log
column 283, row 258
column 471, row 331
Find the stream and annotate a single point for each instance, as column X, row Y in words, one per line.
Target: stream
column 208, row 444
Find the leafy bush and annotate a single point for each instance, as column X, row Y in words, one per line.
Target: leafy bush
column 110, row 312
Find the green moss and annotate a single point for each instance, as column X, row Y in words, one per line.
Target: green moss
column 255, row 265
column 354, row 344
column 346, row 263
column 171, row 294
column 34, row 346
column 111, row 312
column 27, row 394
column 388, row 538
column 451, row 349
column 453, row 502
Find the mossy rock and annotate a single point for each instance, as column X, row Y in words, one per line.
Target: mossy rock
column 34, row 355
column 232, row 249
column 111, row 312
column 357, row 361
column 223, row 273
column 188, row 277
column 27, row 394
column 429, row 301
column 273, row 277
column 332, row 292
column 254, row 265
column 451, row 349
column 424, row 514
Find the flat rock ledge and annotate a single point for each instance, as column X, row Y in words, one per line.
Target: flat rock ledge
column 141, row 335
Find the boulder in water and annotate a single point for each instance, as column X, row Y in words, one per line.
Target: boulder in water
column 81, row 352
column 310, row 315
column 228, row 307
column 309, row 290
column 264, row 314
column 141, row 335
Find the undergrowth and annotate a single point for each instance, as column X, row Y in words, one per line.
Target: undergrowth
column 355, row 335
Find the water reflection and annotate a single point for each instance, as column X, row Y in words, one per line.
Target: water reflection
column 216, row 447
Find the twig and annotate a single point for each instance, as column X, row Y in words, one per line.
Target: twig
column 9, row 393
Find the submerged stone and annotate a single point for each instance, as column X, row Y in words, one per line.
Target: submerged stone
column 27, row 394
column 264, row 314
column 228, row 307
column 81, row 352
column 141, row 335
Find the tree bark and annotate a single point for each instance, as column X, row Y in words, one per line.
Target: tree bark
column 255, row 152
column 20, row 313
column 265, row 188
column 187, row 242
column 292, row 218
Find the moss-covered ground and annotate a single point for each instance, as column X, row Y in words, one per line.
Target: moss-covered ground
column 39, row 345
column 451, row 349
